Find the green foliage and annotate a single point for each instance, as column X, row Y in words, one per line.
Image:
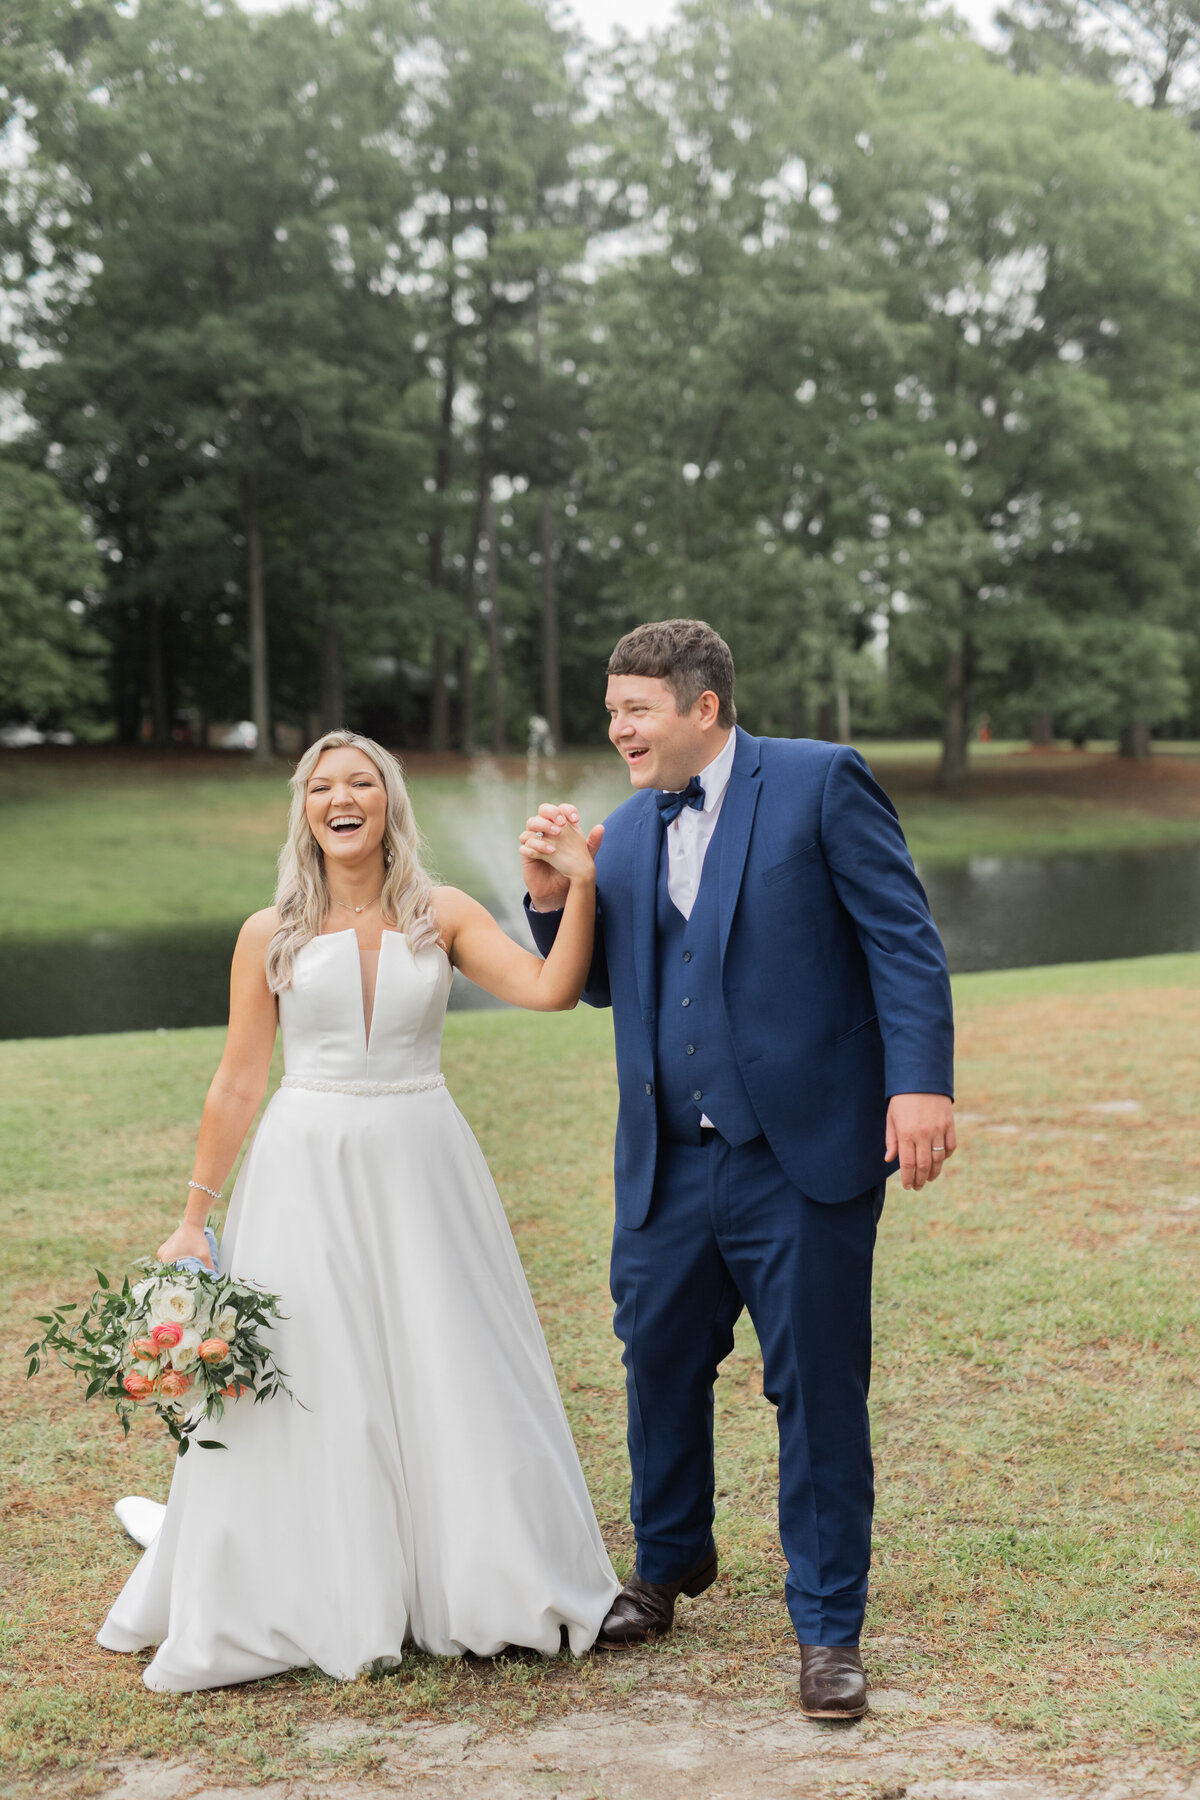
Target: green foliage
column 395, row 346
column 50, row 589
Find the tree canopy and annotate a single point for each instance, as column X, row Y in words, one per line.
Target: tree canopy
column 394, row 356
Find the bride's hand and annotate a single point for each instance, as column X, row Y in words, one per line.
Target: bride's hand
column 565, row 849
column 187, row 1240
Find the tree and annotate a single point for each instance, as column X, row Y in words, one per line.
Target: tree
column 50, row 583
column 214, row 312
column 1053, row 321
column 488, row 134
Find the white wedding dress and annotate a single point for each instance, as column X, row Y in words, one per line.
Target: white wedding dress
column 424, row 1486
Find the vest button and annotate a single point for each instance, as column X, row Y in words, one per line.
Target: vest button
column 686, row 1001
column 697, row 1095
column 649, row 1087
column 687, row 956
column 691, row 1049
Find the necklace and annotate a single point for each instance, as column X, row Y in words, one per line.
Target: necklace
column 346, row 906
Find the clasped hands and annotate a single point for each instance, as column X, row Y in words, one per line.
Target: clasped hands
column 554, row 853
column 920, row 1127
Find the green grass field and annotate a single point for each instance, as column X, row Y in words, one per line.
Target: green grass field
column 1036, row 1411
column 94, row 842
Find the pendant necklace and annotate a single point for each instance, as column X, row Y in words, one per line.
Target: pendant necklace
column 346, row 906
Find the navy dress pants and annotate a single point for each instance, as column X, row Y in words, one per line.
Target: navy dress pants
column 727, row 1229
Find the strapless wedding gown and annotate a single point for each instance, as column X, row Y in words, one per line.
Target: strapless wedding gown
column 423, row 1487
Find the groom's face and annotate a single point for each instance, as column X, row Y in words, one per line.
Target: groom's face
column 660, row 746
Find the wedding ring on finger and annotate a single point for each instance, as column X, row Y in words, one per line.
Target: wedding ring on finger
column 938, row 1149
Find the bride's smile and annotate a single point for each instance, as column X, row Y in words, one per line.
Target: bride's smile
column 346, row 808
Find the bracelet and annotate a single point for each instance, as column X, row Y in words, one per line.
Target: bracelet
column 205, row 1190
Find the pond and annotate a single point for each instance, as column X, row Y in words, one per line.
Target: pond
column 994, row 913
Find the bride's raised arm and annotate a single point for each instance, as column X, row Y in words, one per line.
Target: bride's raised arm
column 237, row 1088
column 488, row 957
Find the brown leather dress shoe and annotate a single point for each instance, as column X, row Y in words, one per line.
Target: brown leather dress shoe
column 646, row 1609
column 833, row 1684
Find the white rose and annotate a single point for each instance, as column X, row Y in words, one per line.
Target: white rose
column 183, row 1354
column 172, row 1304
column 226, row 1325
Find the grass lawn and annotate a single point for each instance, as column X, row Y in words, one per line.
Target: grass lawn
column 1036, row 1411
column 108, row 842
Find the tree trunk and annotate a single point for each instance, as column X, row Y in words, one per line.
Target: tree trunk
column 256, row 599
column 333, row 686
column 466, row 649
column 495, row 632
column 1135, row 739
column 439, row 697
column 1041, row 730
column 551, row 660
column 125, row 671
column 842, row 704
column 956, row 718
column 889, row 657
column 551, row 663
column 156, row 671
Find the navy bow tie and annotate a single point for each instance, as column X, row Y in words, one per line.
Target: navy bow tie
column 671, row 805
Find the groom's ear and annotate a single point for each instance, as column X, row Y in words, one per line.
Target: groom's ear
column 593, row 838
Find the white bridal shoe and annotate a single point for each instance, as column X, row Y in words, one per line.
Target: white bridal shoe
column 141, row 1518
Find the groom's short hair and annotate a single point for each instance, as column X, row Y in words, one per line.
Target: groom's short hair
column 685, row 653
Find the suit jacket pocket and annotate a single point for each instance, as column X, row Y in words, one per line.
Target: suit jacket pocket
column 781, row 870
column 855, row 1029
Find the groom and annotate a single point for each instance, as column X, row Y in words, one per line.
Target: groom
column 784, row 1042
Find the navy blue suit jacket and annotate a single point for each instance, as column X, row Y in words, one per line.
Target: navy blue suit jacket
column 833, row 976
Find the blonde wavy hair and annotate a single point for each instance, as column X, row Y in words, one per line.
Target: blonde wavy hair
column 302, row 892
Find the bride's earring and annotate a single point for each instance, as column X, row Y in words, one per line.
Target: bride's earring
column 387, row 856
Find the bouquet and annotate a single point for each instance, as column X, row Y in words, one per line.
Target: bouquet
column 179, row 1342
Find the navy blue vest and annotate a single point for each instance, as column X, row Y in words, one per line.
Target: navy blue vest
column 697, row 1067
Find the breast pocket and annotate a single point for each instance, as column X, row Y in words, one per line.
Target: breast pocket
column 791, row 865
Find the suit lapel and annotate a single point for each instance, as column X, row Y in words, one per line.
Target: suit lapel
column 645, row 903
column 737, row 819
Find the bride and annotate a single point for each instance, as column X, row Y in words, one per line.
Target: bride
column 424, row 1486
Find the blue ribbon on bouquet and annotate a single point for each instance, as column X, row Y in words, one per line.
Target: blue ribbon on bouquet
column 193, row 1263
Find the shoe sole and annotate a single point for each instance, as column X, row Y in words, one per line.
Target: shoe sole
column 697, row 1584
column 608, row 1648
column 835, row 1713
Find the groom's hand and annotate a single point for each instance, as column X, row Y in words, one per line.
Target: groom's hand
column 547, row 888
column 920, row 1132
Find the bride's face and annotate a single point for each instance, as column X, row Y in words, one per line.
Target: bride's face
column 346, row 807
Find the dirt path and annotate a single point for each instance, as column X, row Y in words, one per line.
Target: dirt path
column 659, row 1745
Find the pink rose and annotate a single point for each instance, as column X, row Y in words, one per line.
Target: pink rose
column 167, row 1335
column 174, row 1383
column 233, row 1391
column 145, row 1347
column 213, row 1350
column 137, row 1386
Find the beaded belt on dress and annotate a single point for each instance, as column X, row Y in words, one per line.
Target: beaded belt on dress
column 422, row 1085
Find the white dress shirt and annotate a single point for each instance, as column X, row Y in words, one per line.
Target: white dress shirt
column 689, row 836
